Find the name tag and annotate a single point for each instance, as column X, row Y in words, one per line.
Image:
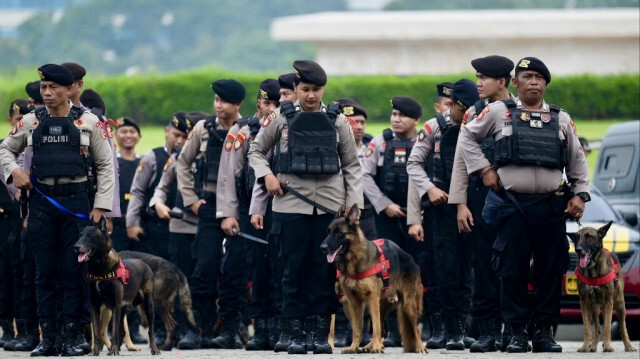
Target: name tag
column 535, row 123
column 400, row 155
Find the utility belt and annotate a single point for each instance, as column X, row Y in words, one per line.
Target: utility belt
column 63, row 190
column 443, row 185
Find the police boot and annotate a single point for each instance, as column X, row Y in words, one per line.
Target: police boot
column 160, row 332
column 285, row 338
column 298, row 336
column 191, row 339
column 438, row 339
column 455, row 332
column 310, row 330
column 207, row 329
column 7, row 331
column 274, row 331
column 543, row 340
column 260, row 340
column 28, row 337
column 341, row 333
column 519, row 339
column 227, row 337
column 321, row 335
column 497, row 332
column 393, row 336
column 47, row 346
column 486, row 341
column 69, row 336
column 81, row 341
column 133, row 319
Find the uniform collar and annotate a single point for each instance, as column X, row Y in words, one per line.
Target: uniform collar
column 544, row 106
column 323, row 107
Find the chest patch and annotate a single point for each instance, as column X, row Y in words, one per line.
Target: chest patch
column 400, row 155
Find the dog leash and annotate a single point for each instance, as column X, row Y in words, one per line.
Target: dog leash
column 56, row 204
column 307, row 199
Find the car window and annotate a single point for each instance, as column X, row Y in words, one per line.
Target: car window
column 616, row 161
column 598, row 210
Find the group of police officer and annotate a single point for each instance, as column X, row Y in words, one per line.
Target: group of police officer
column 232, row 200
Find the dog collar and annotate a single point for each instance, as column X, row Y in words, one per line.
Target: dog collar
column 121, row 273
column 612, row 275
column 381, row 268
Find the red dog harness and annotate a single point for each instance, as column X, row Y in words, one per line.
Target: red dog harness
column 121, row 273
column 600, row 280
column 381, row 269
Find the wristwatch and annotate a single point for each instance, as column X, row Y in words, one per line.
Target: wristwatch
column 584, row 196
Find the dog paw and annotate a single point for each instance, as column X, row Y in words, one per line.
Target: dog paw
column 593, row 349
column 155, row 351
column 133, row 348
column 584, row 349
column 629, row 349
column 377, row 350
column 166, row 347
column 95, row 352
column 422, row 350
column 350, row 350
column 607, row 349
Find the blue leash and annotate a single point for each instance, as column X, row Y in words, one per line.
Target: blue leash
column 58, row 205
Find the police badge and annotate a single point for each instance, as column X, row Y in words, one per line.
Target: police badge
column 545, row 117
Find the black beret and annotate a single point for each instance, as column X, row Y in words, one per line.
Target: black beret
column 92, row 99
column 126, row 121
column 19, row 106
column 76, row 70
column 309, row 72
column 444, row 89
column 286, row 81
column 534, row 64
column 350, row 107
column 56, row 73
column 229, row 90
column 465, row 93
column 493, row 66
column 408, row 105
column 269, row 90
column 33, row 90
column 195, row 116
column 181, row 122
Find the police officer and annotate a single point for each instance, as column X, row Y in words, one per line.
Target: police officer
column 151, row 232
column 205, row 145
column 443, row 102
column 59, row 134
column 468, row 193
column 33, row 91
column 452, row 254
column 325, row 175
column 286, row 83
column 527, row 177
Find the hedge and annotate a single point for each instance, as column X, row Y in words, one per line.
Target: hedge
column 152, row 99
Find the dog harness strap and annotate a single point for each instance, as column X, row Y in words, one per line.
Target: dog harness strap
column 121, row 273
column 612, row 275
column 381, row 268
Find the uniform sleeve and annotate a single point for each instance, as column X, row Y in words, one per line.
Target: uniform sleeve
column 102, row 155
column 13, row 145
column 164, row 186
column 259, row 200
column 414, row 215
column 186, row 182
column 418, row 158
column 231, row 162
column 115, row 209
column 577, row 169
column 473, row 133
column 369, row 170
column 459, row 179
column 268, row 136
column 350, row 165
column 141, row 181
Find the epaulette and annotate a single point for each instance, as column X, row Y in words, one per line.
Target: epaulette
column 387, row 134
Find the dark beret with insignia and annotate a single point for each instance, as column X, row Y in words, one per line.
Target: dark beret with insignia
column 269, row 90
column 19, row 106
column 534, row 64
column 465, row 93
column 444, row 89
column 181, row 122
column 350, row 107
column 91, row 99
column 195, row 116
column 33, row 90
column 229, row 90
column 493, row 66
column 126, row 121
column 309, row 72
column 76, row 70
column 408, row 105
column 286, row 81
column 56, row 73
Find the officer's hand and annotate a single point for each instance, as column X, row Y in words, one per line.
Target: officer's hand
column 575, row 208
column 21, row 179
column 273, row 185
column 17, row 196
column 257, row 221
column 196, row 206
column 394, row 211
column 465, row 219
column 491, row 179
column 162, row 211
column 25, row 223
column 134, row 233
column 109, row 225
column 96, row 214
column 437, row 196
column 228, row 224
column 417, row 232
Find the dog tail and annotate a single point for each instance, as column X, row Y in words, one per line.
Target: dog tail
column 185, row 299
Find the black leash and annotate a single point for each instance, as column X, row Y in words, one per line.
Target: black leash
column 317, row 205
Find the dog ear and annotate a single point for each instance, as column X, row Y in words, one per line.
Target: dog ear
column 602, row 231
column 574, row 237
column 340, row 212
column 102, row 224
column 353, row 218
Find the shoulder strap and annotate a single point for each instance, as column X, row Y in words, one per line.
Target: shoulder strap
column 510, row 103
column 242, row 122
column 254, row 126
column 441, row 122
column 555, row 108
column 41, row 113
column 333, row 110
column 479, row 106
column 366, row 139
column 75, row 112
column 287, row 109
column 387, row 134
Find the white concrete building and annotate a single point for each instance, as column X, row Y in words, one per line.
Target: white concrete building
column 596, row 41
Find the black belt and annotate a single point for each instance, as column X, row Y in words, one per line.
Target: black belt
column 62, row 189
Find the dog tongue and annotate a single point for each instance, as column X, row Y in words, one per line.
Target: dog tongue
column 82, row 257
column 583, row 261
column 331, row 256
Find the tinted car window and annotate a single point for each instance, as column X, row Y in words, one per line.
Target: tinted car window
column 598, row 210
column 616, row 161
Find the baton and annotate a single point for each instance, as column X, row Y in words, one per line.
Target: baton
column 249, row 237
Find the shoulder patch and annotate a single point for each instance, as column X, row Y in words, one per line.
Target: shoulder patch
column 272, row 116
column 466, row 116
column 421, row 135
column 428, row 128
column 573, row 125
column 228, row 144
column 350, row 121
column 190, row 134
column 14, row 130
column 484, row 112
column 141, row 165
column 239, row 140
column 369, row 151
column 168, row 164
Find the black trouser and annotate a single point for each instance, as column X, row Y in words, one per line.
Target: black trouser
column 262, row 297
column 7, row 248
column 308, row 282
column 539, row 233
column 486, row 298
column 397, row 230
column 27, row 279
column 156, row 237
column 180, row 252
column 453, row 263
column 368, row 223
column 121, row 242
column 53, row 234
column 426, row 261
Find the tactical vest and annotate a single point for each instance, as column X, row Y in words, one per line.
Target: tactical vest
column 392, row 177
column 535, row 140
column 246, row 177
column 312, row 143
column 127, row 171
column 56, row 146
column 443, row 166
column 214, row 149
column 488, row 143
column 161, row 158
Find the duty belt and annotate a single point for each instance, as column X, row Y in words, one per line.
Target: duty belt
column 62, row 189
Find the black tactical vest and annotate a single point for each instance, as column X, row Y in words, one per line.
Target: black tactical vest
column 312, row 143
column 214, row 149
column 443, row 166
column 127, row 171
column 392, row 177
column 246, row 178
column 535, row 140
column 161, row 159
column 56, row 146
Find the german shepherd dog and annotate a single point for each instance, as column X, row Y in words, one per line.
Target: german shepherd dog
column 600, row 286
column 117, row 284
column 353, row 254
column 168, row 283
